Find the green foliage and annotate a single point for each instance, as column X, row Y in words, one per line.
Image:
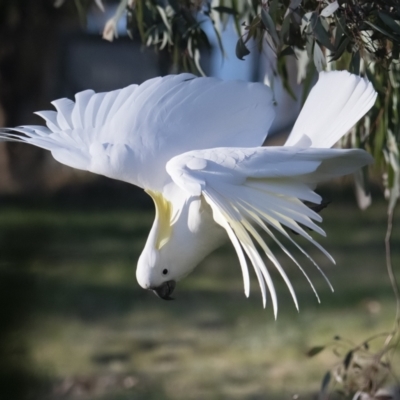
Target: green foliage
column 169, row 25
column 361, row 36
column 362, row 369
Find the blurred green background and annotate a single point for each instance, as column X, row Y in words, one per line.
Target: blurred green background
column 75, row 324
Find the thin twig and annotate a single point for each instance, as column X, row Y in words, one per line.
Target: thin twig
column 392, row 277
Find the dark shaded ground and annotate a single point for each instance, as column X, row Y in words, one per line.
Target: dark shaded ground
column 74, row 323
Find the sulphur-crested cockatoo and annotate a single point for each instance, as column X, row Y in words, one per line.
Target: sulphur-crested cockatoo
column 194, row 145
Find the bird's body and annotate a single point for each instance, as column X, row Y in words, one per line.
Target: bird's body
column 194, row 145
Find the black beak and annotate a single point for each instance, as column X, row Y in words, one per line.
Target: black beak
column 165, row 290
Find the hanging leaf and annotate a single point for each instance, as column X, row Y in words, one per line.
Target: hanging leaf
column 319, row 58
column 308, row 81
column 293, row 5
column 355, row 63
column 81, row 12
column 285, row 30
column 325, row 382
column 383, row 31
column 58, row 3
column 347, row 359
column 330, row 9
column 196, row 60
column 396, row 51
column 363, row 194
column 315, row 350
column 273, row 8
column 309, row 42
column 241, row 49
column 99, row 4
column 164, row 17
column 225, row 10
column 320, row 33
column 342, row 47
column 288, row 51
column 283, row 73
column 341, row 31
column 390, row 22
column 270, row 26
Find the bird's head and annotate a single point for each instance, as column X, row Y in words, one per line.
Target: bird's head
column 183, row 233
column 164, row 260
column 153, row 274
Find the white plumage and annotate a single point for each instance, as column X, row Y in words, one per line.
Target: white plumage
column 193, row 145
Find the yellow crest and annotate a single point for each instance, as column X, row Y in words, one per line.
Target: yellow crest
column 163, row 218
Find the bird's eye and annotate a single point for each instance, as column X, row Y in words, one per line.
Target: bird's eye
column 165, row 272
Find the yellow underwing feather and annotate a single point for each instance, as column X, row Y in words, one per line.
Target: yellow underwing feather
column 163, row 218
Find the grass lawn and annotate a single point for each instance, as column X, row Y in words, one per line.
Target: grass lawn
column 74, row 324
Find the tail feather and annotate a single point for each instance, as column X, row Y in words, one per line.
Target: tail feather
column 333, row 107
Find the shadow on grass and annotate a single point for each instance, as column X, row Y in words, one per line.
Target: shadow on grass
column 55, row 262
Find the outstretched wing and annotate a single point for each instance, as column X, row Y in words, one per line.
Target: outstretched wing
column 263, row 186
column 130, row 134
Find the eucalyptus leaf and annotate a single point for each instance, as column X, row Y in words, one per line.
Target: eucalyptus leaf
column 309, row 42
column 341, row 49
column 164, row 18
column 363, row 194
column 235, row 16
column 285, row 30
column 294, row 4
column 390, row 22
column 315, row 350
column 340, row 31
column 273, row 7
column 241, row 49
column 225, row 10
column 319, row 58
column 58, row 3
column 330, row 9
column 196, row 59
column 325, row 382
column 383, row 31
column 347, row 359
column 320, row 33
column 355, row 63
column 270, row 26
column 396, row 51
column 81, row 12
column 99, row 4
column 283, row 73
column 288, row 51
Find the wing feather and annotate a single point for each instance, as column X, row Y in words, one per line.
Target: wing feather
column 254, row 186
column 221, row 218
column 254, row 217
column 64, row 109
column 51, row 119
column 130, row 134
column 105, row 107
column 92, row 110
column 233, row 219
column 78, row 113
column 288, row 187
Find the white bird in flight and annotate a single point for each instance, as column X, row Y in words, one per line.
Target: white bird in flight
column 194, row 145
